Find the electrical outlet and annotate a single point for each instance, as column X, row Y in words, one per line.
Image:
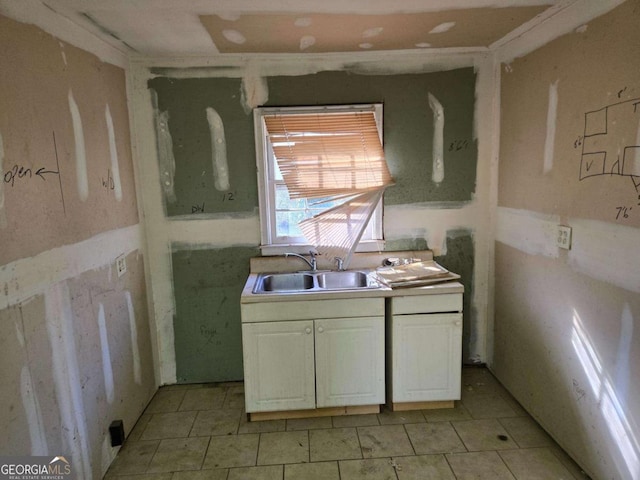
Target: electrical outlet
column 563, row 238
column 121, row 265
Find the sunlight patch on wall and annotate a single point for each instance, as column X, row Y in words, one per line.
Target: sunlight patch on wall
column 115, row 168
column 107, row 369
column 80, row 151
column 552, row 111
column 135, row 349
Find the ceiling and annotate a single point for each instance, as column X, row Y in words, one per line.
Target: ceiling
column 172, row 28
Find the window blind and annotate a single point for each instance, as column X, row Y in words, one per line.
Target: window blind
column 332, row 155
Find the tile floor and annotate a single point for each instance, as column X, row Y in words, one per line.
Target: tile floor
column 196, row 432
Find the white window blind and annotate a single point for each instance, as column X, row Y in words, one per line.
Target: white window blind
column 335, row 155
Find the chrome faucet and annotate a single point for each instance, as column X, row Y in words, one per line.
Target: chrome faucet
column 340, row 263
column 313, row 264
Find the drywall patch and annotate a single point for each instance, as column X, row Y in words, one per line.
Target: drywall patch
column 135, row 349
column 530, row 232
column 366, row 45
column 303, row 22
column 234, row 36
column 307, row 41
column 115, row 168
column 81, row 154
column 107, row 369
column 33, row 413
column 164, row 144
column 443, row 27
column 552, row 112
column 218, row 151
column 254, row 92
column 372, row 32
column 437, row 174
column 582, row 28
column 66, row 373
column 607, row 252
column 3, row 213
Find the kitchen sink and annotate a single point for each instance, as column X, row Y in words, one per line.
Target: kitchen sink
column 341, row 280
column 301, row 282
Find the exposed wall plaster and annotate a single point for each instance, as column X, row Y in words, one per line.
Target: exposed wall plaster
column 115, row 168
column 254, row 92
column 66, row 374
column 80, row 151
column 107, row 369
column 438, row 139
column 552, row 112
column 164, row 149
column 218, row 150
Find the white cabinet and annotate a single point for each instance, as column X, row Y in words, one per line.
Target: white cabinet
column 296, row 359
column 426, row 350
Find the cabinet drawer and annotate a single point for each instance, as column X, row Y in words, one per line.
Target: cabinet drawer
column 450, row 302
column 311, row 309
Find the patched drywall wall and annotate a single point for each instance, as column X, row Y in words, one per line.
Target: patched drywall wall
column 208, row 339
column 76, row 345
column 566, row 320
column 205, row 147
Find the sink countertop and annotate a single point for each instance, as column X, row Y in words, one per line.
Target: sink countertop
column 439, row 288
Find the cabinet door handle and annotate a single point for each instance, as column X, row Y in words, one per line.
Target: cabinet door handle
column 307, row 330
column 320, row 329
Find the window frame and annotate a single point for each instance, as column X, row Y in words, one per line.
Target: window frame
column 270, row 244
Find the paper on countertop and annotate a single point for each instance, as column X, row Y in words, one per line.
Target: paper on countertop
column 414, row 274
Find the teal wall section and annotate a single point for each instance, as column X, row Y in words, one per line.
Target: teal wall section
column 207, row 287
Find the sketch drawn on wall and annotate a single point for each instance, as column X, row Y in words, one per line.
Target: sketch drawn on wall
column 611, row 142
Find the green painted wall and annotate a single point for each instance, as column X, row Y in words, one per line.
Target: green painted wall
column 207, row 288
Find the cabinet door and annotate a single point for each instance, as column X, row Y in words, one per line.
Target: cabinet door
column 278, row 366
column 427, row 351
column 349, row 361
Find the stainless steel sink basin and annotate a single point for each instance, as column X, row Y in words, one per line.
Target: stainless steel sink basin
column 341, row 280
column 301, row 282
column 287, row 282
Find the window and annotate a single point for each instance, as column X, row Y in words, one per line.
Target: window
column 321, row 173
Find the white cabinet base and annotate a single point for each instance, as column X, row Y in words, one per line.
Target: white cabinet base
column 316, row 412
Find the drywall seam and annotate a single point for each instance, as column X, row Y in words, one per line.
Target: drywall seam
column 218, row 151
column 33, row 413
column 438, row 140
column 80, row 151
column 66, row 374
column 552, row 112
column 164, row 150
column 530, row 232
column 571, row 15
column 135, row 348
column 115, row 168
column 254, row 92
column 39, row 14
column 107, row 369
column 607, row 252
column 26, row 277
column 3, row 213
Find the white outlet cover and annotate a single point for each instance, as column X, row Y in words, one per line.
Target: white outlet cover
column 563, row 237
column 121, row 265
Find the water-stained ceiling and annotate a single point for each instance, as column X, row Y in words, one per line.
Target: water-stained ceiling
column 205, row 27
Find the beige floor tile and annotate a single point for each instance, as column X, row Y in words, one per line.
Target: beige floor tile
column 334, row 444
column 203, row 399
column 515, row 406
column 479, row 466
column 168, row 425
column 216, row 422
column 272, row 472
column 478, row 435
column 526, row 432
column 395, row 418
column 179, row 454
column 232, row 451
column 480, row 380
column 283, row 447
column 535, row 464
column 261, row 427
column 139, row 427
column 308, row 423
column 218, row 474
column 458, row 412
column 569, row 463
column 431, row 467
column 439, row 437
column 369, row 469
column 166, row 401
column 312, row 471
column 134, row 457
column 234, row 397
column 487, row 405
column 384, row 441
column 355, row 420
